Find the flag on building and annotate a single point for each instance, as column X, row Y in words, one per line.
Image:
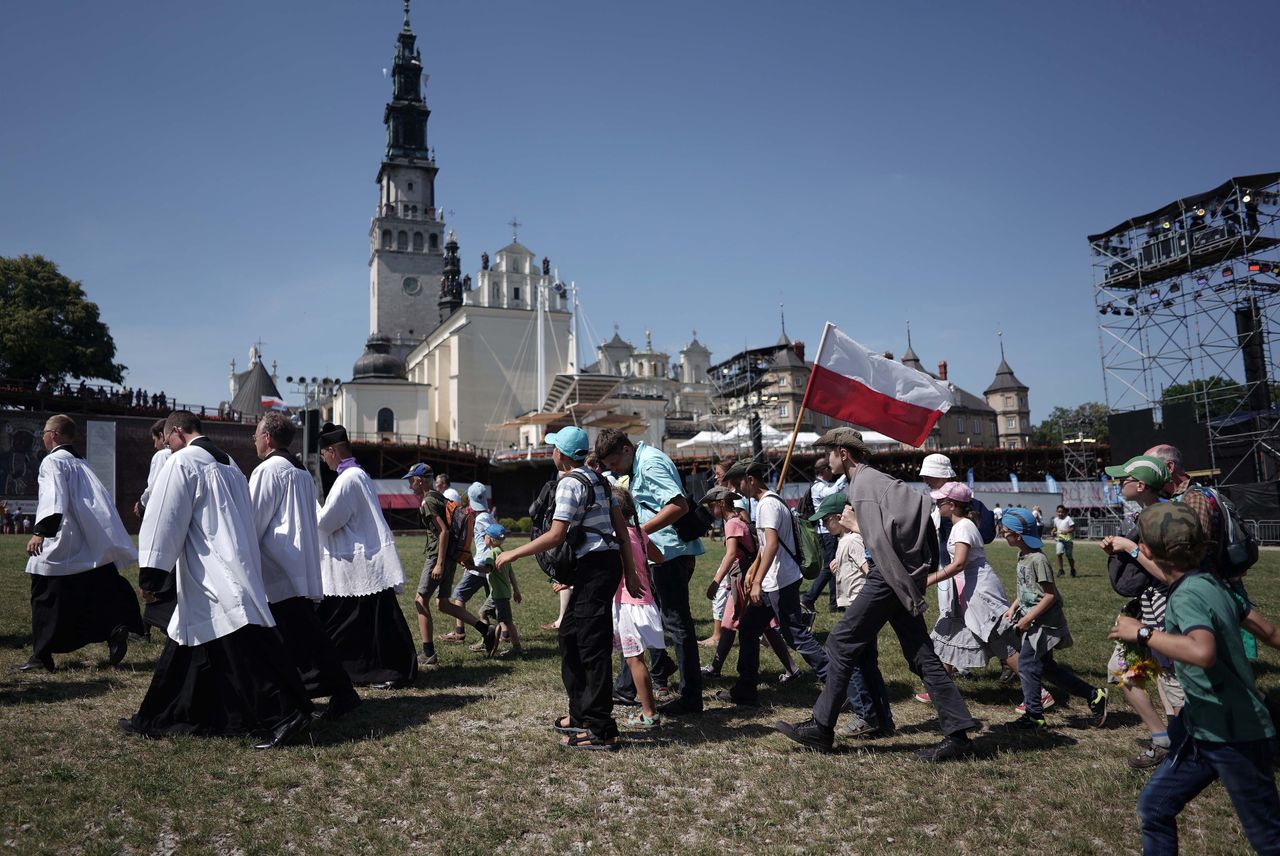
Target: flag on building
column 851, row 383
column 271, row 402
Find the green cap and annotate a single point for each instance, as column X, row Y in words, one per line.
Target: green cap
column 1150, row 471
column 832, row 504
column 1173, row 533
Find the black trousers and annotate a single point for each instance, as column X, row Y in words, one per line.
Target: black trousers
column 671, row 588
column 310, row 648
column 69, row 612
column 586, row 643
column 875, row 606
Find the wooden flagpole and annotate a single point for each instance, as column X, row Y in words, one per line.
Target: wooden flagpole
column 804, row 401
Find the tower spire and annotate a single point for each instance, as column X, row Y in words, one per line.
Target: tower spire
column 1000, row 336
column 406, row 14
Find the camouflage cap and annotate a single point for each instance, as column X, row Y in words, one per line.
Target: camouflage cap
column 844, row 438
column 1173, row 533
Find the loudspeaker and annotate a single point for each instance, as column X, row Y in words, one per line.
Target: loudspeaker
column 1182, row 429
column 1132, row 434
column 1252, row 349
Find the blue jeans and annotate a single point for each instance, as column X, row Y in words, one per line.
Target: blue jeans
column 825, row 577
column 785, row 605
column 1246, row 771
column 868, row 695
column 1032, row 670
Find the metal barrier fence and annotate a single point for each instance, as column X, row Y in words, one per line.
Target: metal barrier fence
column 1266, row 531
column 1099, row 529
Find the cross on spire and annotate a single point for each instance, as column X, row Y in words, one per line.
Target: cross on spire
column 1000, row 336
column 515, row 226
column 406, row 14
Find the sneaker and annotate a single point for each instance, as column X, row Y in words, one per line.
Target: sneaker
column 679, row 707
column 1098, row 708
column 711, row 670
column 1062, row 573
column 951, row 747
column 663, row 695
column 922, row 697
column 1151, row 758
column 1029, row 722
column 639, row 722
column 1046, row 701
column 731, row 698
column 1007, row 675
column 625, row 701
column 808, row 734
column 860, row 728
column 491, row 641
column 428, row 662
column 477, row 647
column 788, row 677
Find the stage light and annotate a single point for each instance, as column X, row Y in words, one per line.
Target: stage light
column 1165, row 224
column 1199, row 213
column 1247, row 198
column 1254, row 267
column 1115, row 310
column 1168, row 304
column 1202, row 280
column 1132, row 301
column 1155, row 292
column 1228, row 272
column 1102, row 310
column 1128, row 312
column 1175, row 288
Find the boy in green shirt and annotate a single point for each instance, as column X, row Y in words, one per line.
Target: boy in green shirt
column 502, row 588
column 1227, row 732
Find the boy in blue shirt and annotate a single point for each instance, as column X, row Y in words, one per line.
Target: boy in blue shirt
column 1227, row 733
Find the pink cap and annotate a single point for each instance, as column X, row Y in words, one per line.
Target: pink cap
column 957, row 491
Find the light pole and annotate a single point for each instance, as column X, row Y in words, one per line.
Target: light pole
column 312, row 390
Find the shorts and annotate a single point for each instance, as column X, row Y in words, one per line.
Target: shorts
column 469, row 585
column 1063, row 548
column 428, row 586
column 635, row 628
column 497, row 611
column 721, row 598
column 1171, row 691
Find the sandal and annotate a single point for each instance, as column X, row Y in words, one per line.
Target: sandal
column 564, row 725
column 452, row 636
column 588, row 741
column 639, row 722
column 551, row 626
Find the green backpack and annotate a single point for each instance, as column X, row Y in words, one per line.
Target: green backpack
column 808, row 549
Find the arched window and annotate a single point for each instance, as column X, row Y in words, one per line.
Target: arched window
column 417, row 242
column 433, row 241
column 402, row 240
column 386, row 239
column 411, row 285
column 386, row 421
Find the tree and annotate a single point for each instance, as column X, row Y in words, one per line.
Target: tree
column 1224, row 395
column 48, row 330
column 1090, row 418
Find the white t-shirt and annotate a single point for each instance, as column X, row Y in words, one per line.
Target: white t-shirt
column 1062, row 527
column 966, row 532
column 773, row 513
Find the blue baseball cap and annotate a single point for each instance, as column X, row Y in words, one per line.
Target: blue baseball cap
column 571, row 441
column 1022, row 521
column 418, row 470
column 496, row 530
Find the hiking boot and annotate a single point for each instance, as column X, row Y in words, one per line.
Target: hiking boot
column 1098, row 708
column 1151, row 758
column 1029, row 722
column 809, row 734
column 950, row 748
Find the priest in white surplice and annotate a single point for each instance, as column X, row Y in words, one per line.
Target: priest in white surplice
column 158, row 609
column 362, row 574
column 79, row 546
column 284, row 511
column 224, row 670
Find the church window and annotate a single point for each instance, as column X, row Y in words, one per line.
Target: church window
column 960, row 424
column 402, row 240
column 386, row 421
column 515, row 294
column 411, row 185
column 417, row 242
column 411, row 285
column 386, row 239
column 433, row 241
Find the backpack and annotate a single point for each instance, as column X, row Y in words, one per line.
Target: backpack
column 986, row 521
column 805, row 507
column 561, row 563
column 1237, row 548
column 808, row 548
column 460, row 521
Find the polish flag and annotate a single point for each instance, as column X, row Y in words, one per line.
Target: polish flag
column 851, row 383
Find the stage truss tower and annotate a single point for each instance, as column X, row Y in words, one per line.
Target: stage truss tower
column 1190, row 292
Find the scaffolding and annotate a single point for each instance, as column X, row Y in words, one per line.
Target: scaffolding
column 1190, row 293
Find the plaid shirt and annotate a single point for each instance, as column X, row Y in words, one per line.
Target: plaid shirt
column 1206, row 511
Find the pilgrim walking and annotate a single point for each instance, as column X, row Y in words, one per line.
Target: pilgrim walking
column 361, row 574
column 224, row 670
column 79, row 543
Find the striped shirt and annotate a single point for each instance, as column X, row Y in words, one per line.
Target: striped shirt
column 571, row 497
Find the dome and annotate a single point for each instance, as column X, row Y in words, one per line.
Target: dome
column 377, row 361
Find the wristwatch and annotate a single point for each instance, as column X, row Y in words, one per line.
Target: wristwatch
column 1144, row 635
column 1134, row 552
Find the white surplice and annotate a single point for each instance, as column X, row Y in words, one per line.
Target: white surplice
column 201, row 520
column 284, row 511
column 91, row 533
column 158, row 460
column 357, row 550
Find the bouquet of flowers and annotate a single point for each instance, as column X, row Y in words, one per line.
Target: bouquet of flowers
column 1138, row 665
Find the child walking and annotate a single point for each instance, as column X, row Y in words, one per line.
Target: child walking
column 1043, row 623
column 503, row 588
column 637, row 624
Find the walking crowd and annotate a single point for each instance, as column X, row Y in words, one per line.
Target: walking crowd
column 270, row 599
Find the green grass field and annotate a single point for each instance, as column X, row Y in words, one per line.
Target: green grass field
column 464, row 761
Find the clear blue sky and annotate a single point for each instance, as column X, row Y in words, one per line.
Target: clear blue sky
column 207, row 169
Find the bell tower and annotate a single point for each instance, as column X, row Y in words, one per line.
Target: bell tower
column 406, row 257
